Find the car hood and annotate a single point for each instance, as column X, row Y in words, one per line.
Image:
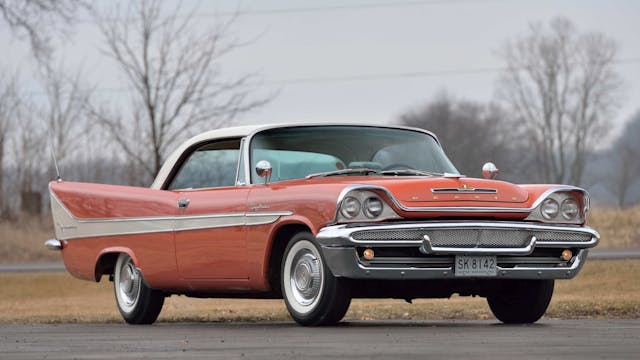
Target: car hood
column 455, row 190
column 444, row 191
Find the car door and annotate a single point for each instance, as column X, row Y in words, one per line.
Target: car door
column 210, row 234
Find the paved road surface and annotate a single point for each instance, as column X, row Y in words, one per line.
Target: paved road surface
column 549, row 339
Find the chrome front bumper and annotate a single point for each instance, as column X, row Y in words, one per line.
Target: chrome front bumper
column 522, row 249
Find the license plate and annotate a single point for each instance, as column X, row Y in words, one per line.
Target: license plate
column 476, row 265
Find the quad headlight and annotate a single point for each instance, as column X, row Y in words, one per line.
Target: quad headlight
column 570, row 209
column 562, row 207
column 549, row 209
column 373, row 207
column 364, row 205
column 350, row 207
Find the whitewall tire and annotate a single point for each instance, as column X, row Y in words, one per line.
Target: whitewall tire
column 312, row 294
column 137, row 303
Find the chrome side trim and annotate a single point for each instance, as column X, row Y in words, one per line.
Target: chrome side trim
column 68, row 226
column 53, row 244
column 428, row 249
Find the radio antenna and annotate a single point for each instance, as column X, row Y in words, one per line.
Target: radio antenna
column 55, row 163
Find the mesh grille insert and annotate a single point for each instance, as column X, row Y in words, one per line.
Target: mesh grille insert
column 470, row 237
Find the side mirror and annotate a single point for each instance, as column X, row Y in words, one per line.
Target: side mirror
column 490, row 171
column 263, row 169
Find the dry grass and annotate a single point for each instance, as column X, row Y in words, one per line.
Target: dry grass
column 22, row 241
column 604, row 289
column 619, row 228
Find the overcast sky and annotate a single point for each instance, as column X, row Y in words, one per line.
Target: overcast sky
column 346, row 61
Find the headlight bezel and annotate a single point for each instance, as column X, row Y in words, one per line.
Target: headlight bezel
column 561, row 197
column 365, row 214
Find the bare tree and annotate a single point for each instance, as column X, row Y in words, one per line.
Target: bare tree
column 39, row 19
column 625, row 154
column 9, row 103
column 471, row 133
column 173, row 71
column 28, row 146
column 64, row 110
column 563, row 86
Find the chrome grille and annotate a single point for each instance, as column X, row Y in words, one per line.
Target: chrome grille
column 402, row 235
column 470, row 237
column 561, row 236
column 491, row 238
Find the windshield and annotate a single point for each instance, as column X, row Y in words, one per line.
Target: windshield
column 298, row 152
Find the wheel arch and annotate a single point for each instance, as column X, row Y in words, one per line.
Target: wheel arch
column 278, row 244
column 107, row 258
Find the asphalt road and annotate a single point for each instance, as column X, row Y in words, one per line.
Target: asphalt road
column 557, row 339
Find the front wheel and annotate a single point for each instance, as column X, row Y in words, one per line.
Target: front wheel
column 138, row 304
column 312, row 294
column 521, row 301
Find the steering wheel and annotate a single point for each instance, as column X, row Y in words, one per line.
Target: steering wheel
column 396, row 166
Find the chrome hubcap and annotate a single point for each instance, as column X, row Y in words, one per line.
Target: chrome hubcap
column 129, row 283
column 306, row 277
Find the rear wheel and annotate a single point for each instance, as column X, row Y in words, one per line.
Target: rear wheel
column 138, row 304
column 312, row 294
column 521, row 301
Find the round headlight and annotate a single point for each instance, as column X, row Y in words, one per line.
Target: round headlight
column 373, row 207
column 570, row 209
column 549, row 209
column 350, row 207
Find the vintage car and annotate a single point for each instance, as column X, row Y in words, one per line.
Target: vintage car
column 318, row 215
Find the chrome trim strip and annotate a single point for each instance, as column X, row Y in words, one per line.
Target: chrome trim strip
column 464, row 191
column 53, row 244
column 240, row 163
column 68, row 226
column 428, row 249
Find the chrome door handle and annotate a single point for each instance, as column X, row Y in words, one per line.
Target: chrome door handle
column 183, row 203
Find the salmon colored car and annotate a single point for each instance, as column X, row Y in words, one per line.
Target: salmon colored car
column 318, row 215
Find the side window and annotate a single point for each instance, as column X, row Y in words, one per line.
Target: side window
column 211, row 165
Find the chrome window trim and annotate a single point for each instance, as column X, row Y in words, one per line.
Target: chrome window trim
column 267, row 128
column 240, row 182
column 176, row 168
